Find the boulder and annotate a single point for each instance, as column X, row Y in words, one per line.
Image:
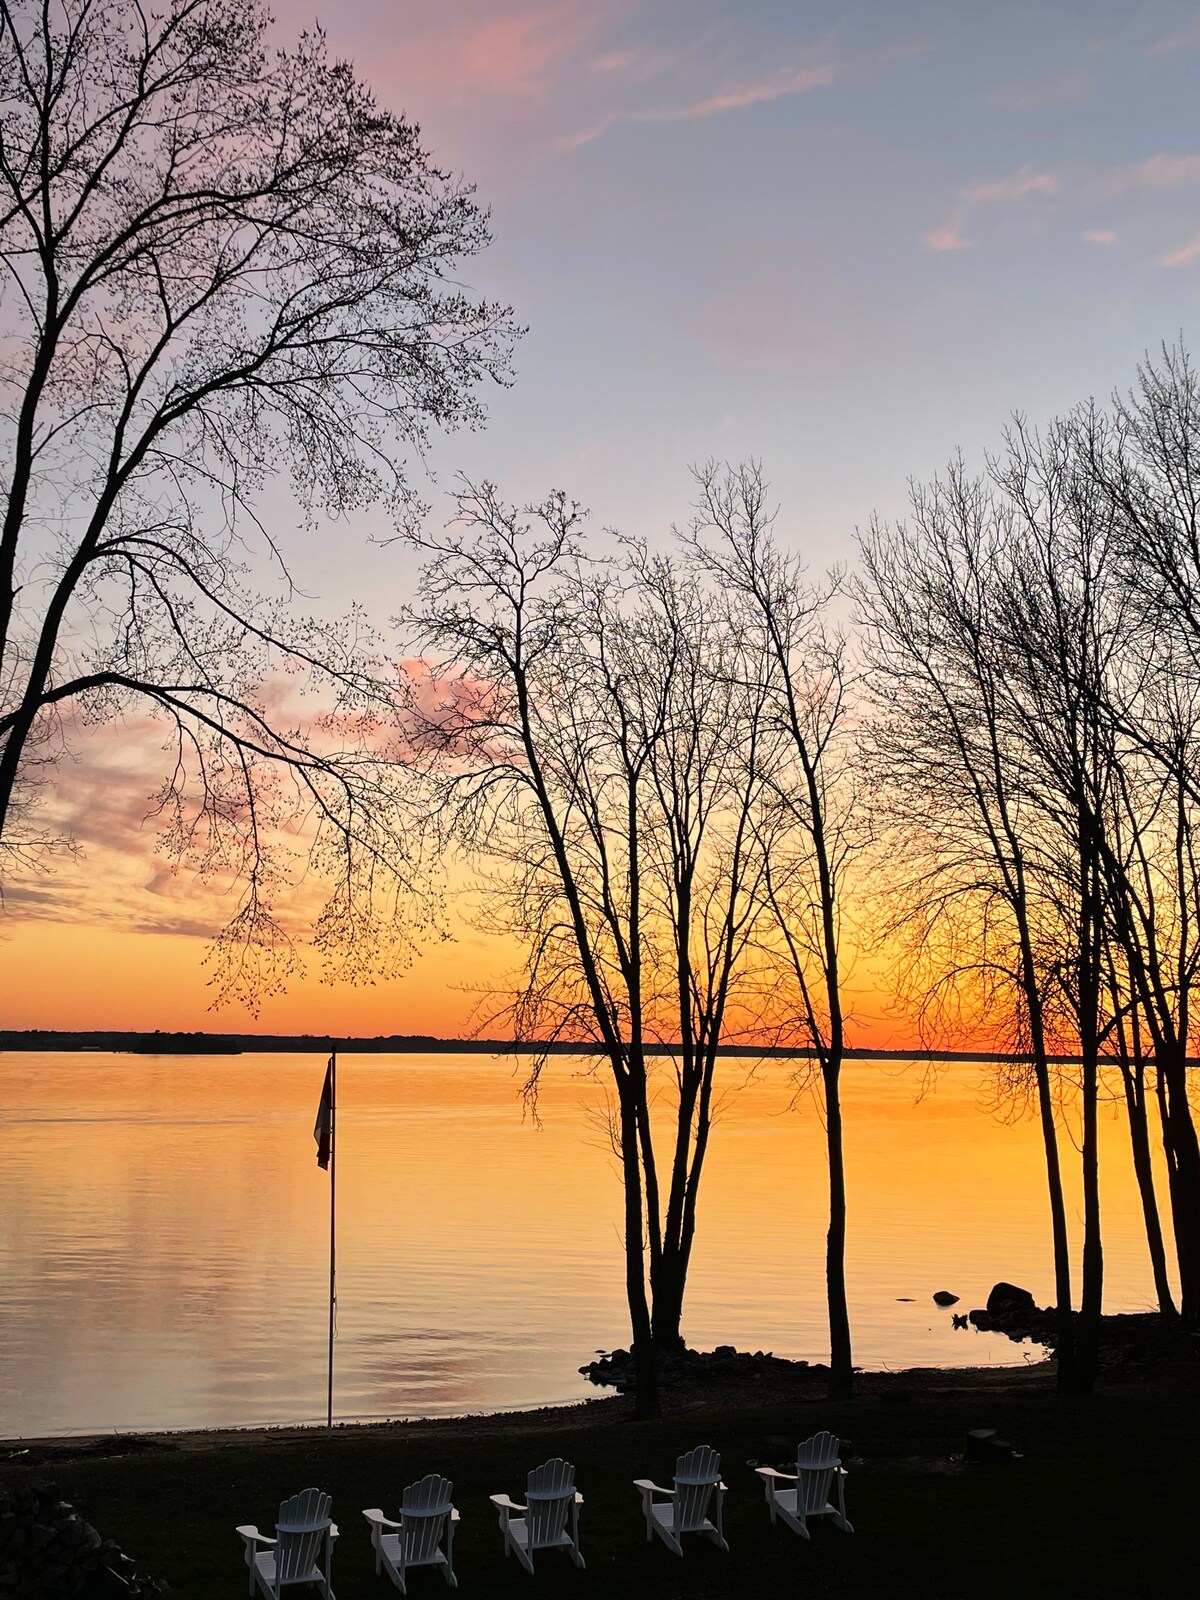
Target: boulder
column 1006, row 1299
column 985, row 1445
column 944, row 1298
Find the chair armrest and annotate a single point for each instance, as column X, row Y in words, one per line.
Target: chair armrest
column 503, row 1503
column 333, row 1530
column 377, row 1519
column 578, row 1498
column 767, row 1473
column 648, row 1487
column 251, row 1536
column 453, row 1514
column 723, row 1488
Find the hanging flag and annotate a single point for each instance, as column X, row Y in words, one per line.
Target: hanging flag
column 323, row 1128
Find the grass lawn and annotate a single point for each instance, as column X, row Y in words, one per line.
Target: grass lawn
column 1103, row 1502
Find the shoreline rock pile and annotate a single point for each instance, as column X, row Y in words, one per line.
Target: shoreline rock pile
column 48, row 1551
column 723, row 1365
column 1015, row 1313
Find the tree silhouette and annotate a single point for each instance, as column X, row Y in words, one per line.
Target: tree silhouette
column 223, row 264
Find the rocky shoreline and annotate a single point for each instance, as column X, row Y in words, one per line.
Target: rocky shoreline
column 1127, row 1339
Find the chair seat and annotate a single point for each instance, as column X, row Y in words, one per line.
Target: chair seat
column 390, row 1545
column 664, row 1515
column 518, row 1530
column 786, row 1499
column 264, row 1566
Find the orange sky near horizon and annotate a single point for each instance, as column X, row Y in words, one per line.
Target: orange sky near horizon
column 114, row 934
column 87, row 975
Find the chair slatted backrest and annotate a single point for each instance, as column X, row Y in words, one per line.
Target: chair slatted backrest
column 696, row 1476
column 424, row 1507
column 549, row 1493
column 304, row 1522
column 816, row 1460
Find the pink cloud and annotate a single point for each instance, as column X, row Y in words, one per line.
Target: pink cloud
column 512, row 55
column 500, row 49
column 763, row 324
column 1015, row 187
column 1163, row 172
column 1187, row 255
column 999, row 191
column 1062, row 88
column 946, row 239
column 747, row 94
column 644, row 63
column 775, row 86
column 491, row 82
column 1189, row 39
column 1100, row 236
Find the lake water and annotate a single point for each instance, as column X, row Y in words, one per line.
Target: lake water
column 164, row 1228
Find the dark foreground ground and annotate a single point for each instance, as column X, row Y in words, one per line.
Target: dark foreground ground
column 1104, row 1500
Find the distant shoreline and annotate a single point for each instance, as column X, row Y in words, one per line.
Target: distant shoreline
column 215, row 1044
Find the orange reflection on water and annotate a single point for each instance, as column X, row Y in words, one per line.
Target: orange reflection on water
column 164, row 1226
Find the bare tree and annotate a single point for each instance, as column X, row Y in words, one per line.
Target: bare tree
column 969, row 874
column 597, row 738
column 1061, row 627
column 809, row 830
column 217, row 258
column 1147, row 465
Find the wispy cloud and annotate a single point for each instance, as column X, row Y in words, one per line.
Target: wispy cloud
column 1160, row 172
column 765, row 322
column 1186, row 256
column 1015, row 187
column 995, row 191
column 733, row 97
column 1176, row 43
column 1042, row 94
column 1100, row 236
column 939, row 239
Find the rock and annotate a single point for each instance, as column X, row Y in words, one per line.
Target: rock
column 1006, row 1298
column 944, row 1298
column 724, row 1351
column 984, row 1445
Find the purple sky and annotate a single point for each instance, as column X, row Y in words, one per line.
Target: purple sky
column 846, row 236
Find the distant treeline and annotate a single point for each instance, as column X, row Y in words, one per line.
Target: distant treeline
column 232, row 1044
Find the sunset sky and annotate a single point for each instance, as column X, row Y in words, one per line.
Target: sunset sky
column 847, row 238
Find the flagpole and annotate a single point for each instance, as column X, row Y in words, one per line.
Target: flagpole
column 332, row 1225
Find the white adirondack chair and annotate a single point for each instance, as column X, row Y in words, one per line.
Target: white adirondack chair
column 551, row 1502
column 303, row 1534
column 818, row 1469
column 426, row 1513
column 687, row 1504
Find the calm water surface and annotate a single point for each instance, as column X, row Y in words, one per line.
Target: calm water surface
column 164, row 1226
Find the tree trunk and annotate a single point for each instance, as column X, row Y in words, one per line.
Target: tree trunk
column 841, row 1370
column 1183, row 1171
column 1092, row 1291
column 1143, row 1167
column 645, row 1376
column 667, row 1286
column 1091, row 1294
column 1065, row 1324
